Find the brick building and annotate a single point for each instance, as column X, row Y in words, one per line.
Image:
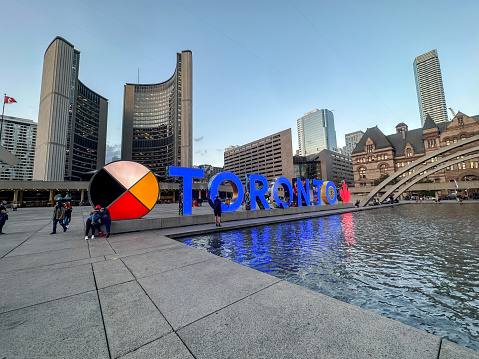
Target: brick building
column 377, row 154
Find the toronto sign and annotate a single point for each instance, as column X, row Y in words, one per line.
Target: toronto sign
column 130, row 190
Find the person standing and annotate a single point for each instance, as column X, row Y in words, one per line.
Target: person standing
column 58, row 216
column 3, row 215
column 105, row 219
column 217, row 210
column 92, row 222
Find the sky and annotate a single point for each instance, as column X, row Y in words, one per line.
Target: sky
column 258, row 65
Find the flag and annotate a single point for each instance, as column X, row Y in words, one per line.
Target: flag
column 9, row 100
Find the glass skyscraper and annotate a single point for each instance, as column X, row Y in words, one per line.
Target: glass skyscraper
column 316, row 132
column 429, row 87
column 157, row 120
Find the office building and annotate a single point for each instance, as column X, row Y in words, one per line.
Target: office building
column 326, row 166
column 351, row 141
column 158, row 120
column 72, row 119
column 316, row 132
column 429, row 87
column 270, row 156
column 19, row 137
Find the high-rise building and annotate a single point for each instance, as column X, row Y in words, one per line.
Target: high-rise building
column 351, row 141
column 429, row 87
column 19, row 137
column 158, row 120
column 270, row 156
column 316, row 132
column 72, row 119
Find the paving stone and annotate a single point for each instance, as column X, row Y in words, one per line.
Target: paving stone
column 65, row 328
column 99, row 247
column 165, row 259
column 192, row 292
column 131, row 318
column 41, row 246
column 287, row 321
column 170, row 346
column 111, row 272
column 134, row 252
column 150, row 241
column 29, row 287
column 450, row 350
column 13, row 263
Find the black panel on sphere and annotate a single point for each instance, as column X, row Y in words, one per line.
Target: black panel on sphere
column 104, row 189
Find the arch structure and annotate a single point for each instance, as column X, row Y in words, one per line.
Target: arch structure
column 420, row 166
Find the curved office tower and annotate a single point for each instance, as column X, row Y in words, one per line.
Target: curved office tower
column 157, row 120
column 72, row 119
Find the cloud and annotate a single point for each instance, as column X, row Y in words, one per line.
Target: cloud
column 199, row 139
column 112, row 150
column 201, row 152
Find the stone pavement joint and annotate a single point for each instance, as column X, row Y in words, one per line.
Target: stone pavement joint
column 144, row 295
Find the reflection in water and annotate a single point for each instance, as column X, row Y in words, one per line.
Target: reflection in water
column 418, row 264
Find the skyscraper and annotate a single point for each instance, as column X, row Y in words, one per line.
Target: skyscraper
column 316, row 132
column 429, row 87
column 19, row 137
column 72, row 119
column 158, row 120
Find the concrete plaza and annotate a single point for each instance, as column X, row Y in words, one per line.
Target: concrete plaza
column 144, row 295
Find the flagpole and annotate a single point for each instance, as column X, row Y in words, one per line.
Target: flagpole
column 1, row 125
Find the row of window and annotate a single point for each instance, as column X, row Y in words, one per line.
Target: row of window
column 372, row 158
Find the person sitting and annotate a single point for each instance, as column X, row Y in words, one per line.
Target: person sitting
column 105, row 219
column 92, row 222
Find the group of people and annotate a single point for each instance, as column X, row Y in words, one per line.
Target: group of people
column 62, row 214
column 100, row 215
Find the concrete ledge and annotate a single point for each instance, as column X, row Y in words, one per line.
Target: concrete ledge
column 143, row 224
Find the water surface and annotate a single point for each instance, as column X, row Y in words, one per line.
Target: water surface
column 416, row 263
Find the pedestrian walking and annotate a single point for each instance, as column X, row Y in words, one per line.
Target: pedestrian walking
column 3, row 215
column 106, row 220
column 58, row 216
column 217, row 210
column 68, row 213
column 92, row 222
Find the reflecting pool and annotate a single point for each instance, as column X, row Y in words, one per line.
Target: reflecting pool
column 416, row 263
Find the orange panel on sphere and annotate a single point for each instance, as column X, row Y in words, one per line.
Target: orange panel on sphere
column 126, row 172
column 127, row 207
column 146, row 190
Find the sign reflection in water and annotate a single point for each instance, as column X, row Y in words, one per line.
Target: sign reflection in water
column 385, row 260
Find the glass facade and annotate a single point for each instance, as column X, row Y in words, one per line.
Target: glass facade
column 155, row 126
column 71, row 107
column 82, row 156
column 316, row 132
column 152, row 122
column 429, row 87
